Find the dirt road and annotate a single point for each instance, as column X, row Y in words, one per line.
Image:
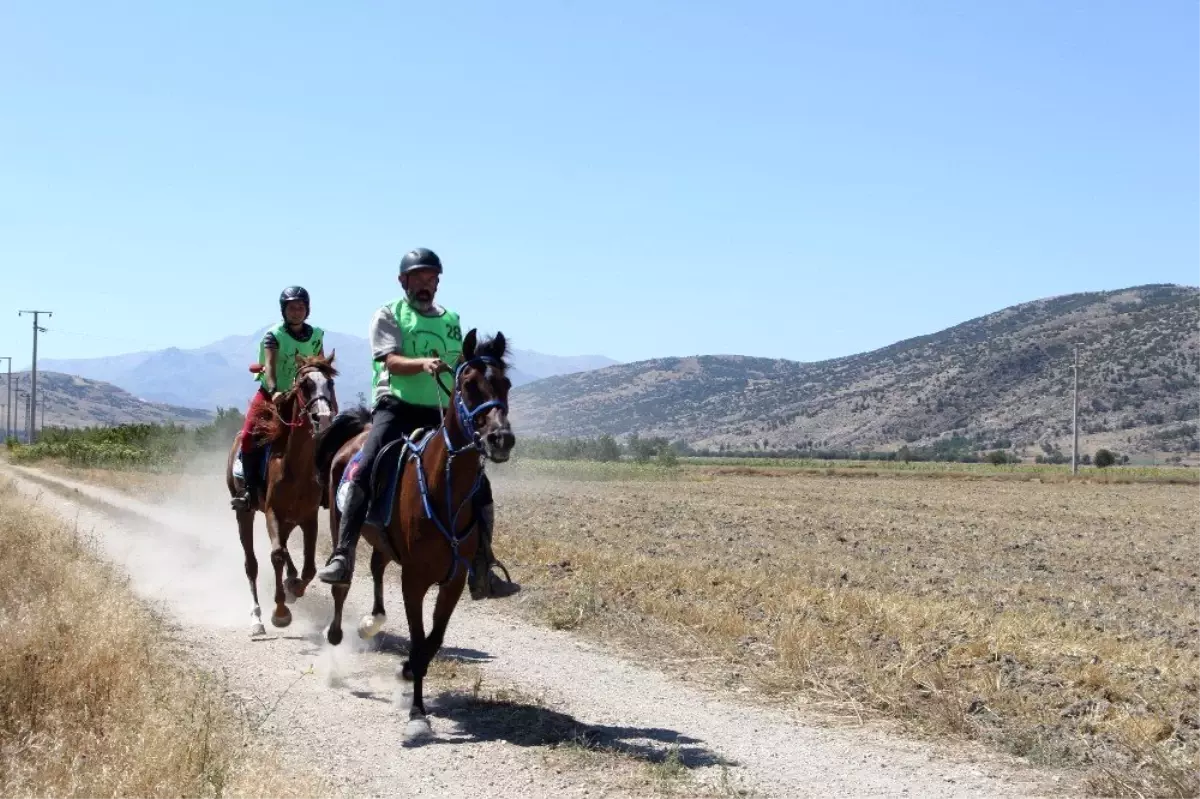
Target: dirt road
column 335, row 709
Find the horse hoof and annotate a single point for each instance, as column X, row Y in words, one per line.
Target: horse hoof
column 293, row 589
column 417, row 730
column 369, row 626
column 281, row 619
column 334, row 636
column 257, row 629
column 406, row 672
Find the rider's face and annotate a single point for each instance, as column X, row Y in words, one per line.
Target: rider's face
column 295, row 312
column 421, row 286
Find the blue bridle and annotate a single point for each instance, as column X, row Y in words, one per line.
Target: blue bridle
column 466, row 420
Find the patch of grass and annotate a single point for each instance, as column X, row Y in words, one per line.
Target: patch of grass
column 1054, row 620
column 92, row 702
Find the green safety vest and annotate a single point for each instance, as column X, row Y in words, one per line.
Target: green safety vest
column 421, row 337
column 285, row 356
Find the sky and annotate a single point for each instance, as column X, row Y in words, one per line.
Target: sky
column 801, row 180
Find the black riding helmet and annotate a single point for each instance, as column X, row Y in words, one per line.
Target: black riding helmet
column 293, row 293
column 420, row 258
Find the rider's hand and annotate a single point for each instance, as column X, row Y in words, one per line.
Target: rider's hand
column 275, row 395
column 432, row 366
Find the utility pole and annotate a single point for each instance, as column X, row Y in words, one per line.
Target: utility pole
column 33, row 369
column 1075, row 416
column 8, row 420
column 18, row 419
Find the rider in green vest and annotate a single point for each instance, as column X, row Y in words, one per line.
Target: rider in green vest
column 277, row 353
column 413, row 340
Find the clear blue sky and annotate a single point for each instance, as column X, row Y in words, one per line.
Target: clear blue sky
column 800, row 180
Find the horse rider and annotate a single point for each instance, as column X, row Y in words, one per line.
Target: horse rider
column 413, row 340
column 277, row 354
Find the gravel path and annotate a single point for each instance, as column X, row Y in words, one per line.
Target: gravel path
column 335, row 709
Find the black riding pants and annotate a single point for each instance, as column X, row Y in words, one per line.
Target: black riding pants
column 392, row 418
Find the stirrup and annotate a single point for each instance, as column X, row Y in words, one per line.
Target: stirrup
column 482, row 587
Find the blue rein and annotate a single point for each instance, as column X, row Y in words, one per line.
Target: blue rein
column 466, row 420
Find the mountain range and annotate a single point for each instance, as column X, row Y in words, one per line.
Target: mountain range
column 217, row 375
column 1003, row 378
column 66, row 400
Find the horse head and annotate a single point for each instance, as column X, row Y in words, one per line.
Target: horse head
column 314, row 391
column 480, row 396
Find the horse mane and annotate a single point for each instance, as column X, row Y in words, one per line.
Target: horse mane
column 268, row 424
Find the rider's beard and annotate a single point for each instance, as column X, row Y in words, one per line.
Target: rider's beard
column 421, row 299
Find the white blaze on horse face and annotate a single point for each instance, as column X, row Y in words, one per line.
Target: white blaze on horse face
column 321, row 407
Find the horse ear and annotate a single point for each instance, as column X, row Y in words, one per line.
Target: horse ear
column 500, row 344
column 469, row 345
column 332, row 355
column 299, row 360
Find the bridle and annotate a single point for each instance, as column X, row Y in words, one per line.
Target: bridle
column 467, row 416
column 467, row 420
column 306, row 415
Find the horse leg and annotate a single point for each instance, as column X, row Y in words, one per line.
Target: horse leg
column 245, row 520
column 370, row 626
column 415, row 667
column 334, row 634
column 282, row 617
column 297, row 587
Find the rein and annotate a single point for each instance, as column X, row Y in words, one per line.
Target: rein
column 466, row 420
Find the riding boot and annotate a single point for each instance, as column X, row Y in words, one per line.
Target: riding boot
column 340, row 568
column 483, row 581
column 251, row 481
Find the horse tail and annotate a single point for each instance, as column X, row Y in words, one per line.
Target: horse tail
column 344, row 427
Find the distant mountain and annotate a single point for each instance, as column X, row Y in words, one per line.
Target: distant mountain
column 1002, row 377
column 73, row 401
column 217, row 374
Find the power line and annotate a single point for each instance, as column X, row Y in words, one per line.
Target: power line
column 33, row 369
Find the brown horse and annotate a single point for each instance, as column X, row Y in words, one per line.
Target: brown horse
column 292, row 494
column 432, row 517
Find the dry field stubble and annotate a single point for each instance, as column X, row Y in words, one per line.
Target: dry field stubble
column 93, row 701
column 1057, row 621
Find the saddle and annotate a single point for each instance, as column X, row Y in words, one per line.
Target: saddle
column 386, row 473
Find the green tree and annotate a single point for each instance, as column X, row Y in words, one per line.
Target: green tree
column 607, row 449
column 1104, row 459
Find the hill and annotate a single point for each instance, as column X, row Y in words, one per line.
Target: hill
column 1000, row 379
column 216, row 375
column 73, row 401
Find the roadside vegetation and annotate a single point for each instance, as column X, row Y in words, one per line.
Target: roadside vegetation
column 92, row 700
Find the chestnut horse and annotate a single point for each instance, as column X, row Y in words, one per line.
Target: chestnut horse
column 432, row 516
column 292, row 495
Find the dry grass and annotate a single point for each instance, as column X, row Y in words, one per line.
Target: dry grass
column 92, row 702
column 1057, row 621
